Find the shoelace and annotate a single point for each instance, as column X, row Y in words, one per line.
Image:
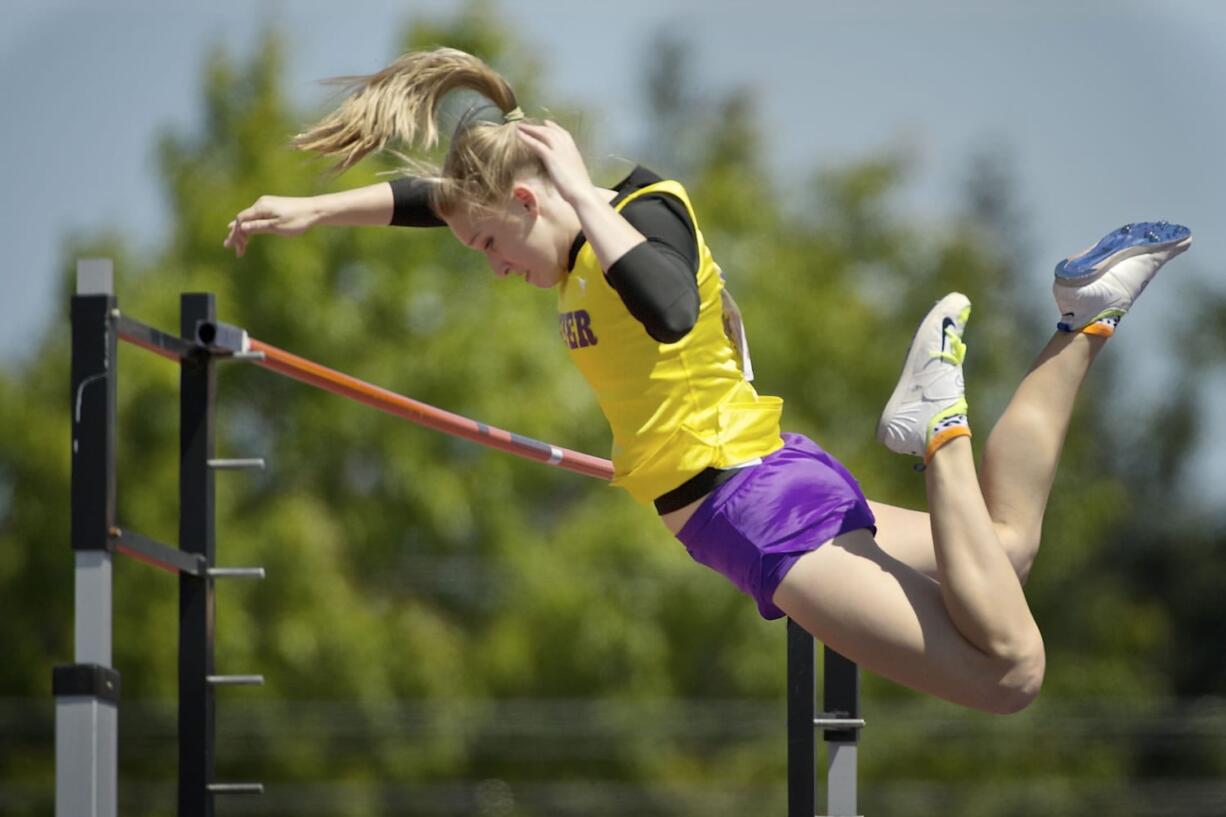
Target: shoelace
column 957, row 348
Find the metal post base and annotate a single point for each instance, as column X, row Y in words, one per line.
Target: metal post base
column 841, row 780
column 86, row 740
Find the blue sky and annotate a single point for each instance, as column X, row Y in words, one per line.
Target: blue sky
column 1111, row 111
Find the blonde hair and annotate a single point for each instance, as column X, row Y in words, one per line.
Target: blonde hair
column 401, row 104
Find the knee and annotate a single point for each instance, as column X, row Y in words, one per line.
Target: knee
column 1021, row 680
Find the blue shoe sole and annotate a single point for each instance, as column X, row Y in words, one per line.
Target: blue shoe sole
column 1131, row 239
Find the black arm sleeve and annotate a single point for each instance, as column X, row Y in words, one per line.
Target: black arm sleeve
column 658, row 280
column 411, row 204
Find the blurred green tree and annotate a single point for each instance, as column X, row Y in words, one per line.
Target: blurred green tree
column 439, row 612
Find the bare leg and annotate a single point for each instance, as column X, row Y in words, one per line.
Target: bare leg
column 1093, row 290
column 1019, row 462
column 1023, row 450
column 969, row 638
column 893, row 621
column 946, row 613
column 980, row 588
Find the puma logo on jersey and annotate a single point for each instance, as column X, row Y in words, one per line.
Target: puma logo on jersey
column 576, row 329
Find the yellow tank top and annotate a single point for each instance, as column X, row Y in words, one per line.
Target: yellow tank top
column 674, row 408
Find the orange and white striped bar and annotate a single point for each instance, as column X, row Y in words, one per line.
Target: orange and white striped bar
column 225, row 338
column 426, row 415
column 221, row 337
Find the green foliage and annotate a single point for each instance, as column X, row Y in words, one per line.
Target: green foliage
column 437, row 611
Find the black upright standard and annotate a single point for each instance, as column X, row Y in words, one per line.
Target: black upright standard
column 87, row 691
column 839, row 722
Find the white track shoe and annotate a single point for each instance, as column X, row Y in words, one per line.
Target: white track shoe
column 1096, row 287
column 928, row 406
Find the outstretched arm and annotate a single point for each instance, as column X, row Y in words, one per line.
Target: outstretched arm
column 372, row 205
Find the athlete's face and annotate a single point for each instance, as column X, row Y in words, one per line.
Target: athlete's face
column 525, row 238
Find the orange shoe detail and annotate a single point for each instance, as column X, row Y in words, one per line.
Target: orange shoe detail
column 1102, row 330
column 943, row 437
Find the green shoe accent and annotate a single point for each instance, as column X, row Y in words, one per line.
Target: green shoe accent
column 947, row 425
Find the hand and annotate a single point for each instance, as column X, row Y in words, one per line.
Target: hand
column 556, row 149
column 279, row 215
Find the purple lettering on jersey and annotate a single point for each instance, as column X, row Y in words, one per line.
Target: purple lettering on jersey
column 584, row 325
column 576, row 329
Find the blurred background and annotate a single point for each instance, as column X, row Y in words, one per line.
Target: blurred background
column 446, row 630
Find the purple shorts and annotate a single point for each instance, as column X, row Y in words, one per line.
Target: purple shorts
column 755, row 526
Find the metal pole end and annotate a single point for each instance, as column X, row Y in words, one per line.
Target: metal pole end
column 222, row 337
column 95, row 276
column 237, row 464
column 235, row 680
column 236, row 788
column 838, row 723
column 236, row 572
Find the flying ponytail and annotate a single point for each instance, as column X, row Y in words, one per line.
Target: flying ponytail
column 400, row 104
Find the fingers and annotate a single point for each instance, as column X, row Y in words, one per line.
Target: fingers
column 529, row 133
column 259, row 225
column 549, row 141
column 252, row 221
column 251, row 212
column 536, row 136
column 264, row 216
column 548, row 133
column 240, row 233
column 236, row 239
column 238, row 230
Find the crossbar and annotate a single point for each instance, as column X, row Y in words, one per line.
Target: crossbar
column 423, row 414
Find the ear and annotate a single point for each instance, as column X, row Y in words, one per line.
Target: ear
column 525, row 197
